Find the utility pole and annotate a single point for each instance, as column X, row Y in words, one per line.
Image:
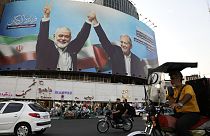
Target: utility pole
column 207, row 2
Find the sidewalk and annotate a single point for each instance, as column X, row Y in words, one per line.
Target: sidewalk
column 91, row 117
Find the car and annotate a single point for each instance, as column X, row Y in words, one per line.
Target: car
column 165, row 110
column 23, row 118
column 168, row 111
column 140, row 111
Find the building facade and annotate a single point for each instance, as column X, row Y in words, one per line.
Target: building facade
column 124, row 6
column 19, row 65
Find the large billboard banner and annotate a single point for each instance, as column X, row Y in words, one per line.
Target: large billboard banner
column 74, row 36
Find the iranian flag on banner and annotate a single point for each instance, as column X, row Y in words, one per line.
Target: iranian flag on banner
column 92, row 56
column 18, row 50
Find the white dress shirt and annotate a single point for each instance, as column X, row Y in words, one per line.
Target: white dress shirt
column 64, row 60
column 128, row 64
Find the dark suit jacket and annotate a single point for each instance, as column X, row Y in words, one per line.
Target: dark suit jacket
column 46, row 53
column 117, row 58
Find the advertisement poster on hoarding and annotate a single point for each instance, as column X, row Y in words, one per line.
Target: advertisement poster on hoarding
column 26, row 88
column 84, row 91
column 8, row 85
column 45, row 89
column 32, row 37
column 106, row 91
column 63, row 90
column 35, row 88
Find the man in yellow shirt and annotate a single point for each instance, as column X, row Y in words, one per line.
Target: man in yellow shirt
column 185, row 104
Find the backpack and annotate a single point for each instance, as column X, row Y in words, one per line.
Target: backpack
column 201, row 88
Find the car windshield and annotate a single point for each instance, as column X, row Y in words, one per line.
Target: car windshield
column 1, row 105
column 141, row 108
column 36, row 107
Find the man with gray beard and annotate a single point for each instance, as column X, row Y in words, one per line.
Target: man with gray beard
column 59, row 53
column 123, row 61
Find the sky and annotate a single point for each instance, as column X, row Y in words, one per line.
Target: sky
column 182, row 32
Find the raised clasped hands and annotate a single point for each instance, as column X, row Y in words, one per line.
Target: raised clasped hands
column 92, row 17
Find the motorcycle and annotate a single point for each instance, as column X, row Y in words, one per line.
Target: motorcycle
column 83, row 114
column 159, row 124
column 103, row 125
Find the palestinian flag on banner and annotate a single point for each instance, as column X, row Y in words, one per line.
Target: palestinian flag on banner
column 18, row 50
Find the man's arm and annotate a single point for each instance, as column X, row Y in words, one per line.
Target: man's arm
column 115, row 112
column 106, row 44
column 76, row 44
column 44, row 24
column 44, row 29
column 126, row 111
column 181, row 103
column 170, row 99
column 43, row 41
column 186, row 98
column 43, row 34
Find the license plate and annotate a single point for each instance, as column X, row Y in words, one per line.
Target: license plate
column 46, row 117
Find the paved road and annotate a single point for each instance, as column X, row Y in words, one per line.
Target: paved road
column 86, row 127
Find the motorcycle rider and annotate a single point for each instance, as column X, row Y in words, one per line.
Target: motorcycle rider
column 126, row 106
column 185, row 104
column 128, row 110
column 117, row 114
